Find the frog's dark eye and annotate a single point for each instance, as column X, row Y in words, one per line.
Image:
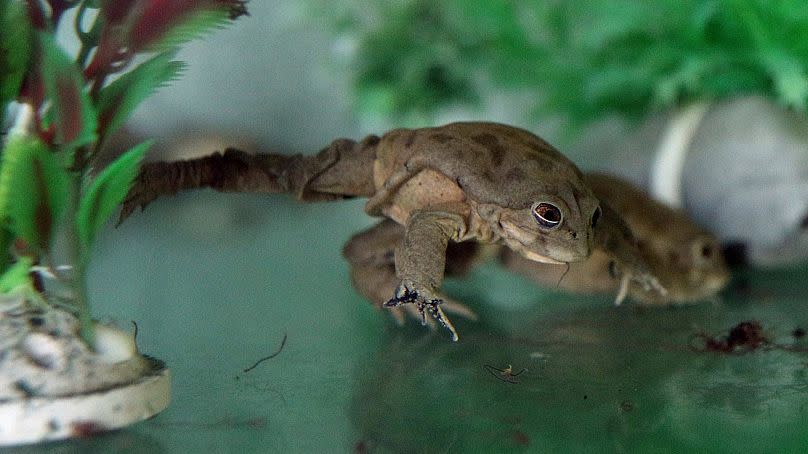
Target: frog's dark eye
column 547, row 215
column 704, row 250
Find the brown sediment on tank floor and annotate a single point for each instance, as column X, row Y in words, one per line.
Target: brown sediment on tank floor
column 626, row 406
column 520, row 438
column 745, row 337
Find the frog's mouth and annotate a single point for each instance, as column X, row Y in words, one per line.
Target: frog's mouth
column 518, row 240
column 525, row 252
column 539, row 258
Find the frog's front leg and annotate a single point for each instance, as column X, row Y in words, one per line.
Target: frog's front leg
column 614, row 236
column 371, row 255
column 421, row 260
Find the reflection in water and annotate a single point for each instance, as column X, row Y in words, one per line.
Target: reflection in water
column 127, row 440
column 614, row 378
column 751, row 397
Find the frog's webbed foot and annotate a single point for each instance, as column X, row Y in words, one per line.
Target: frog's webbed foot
column 371, row 256
column 424, row 301
column 646, row 280
column 449, row 306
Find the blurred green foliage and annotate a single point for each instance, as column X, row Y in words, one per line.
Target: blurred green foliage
column 587, row 59
column 14, row 51
column 50, row 183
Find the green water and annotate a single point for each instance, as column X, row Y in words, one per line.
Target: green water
column 216, row 281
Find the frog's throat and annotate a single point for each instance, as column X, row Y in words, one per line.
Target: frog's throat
column 539, row 258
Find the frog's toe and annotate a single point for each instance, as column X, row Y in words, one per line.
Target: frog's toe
column 623, row 290
column 650, row 283
column 401, row 313
column 415, row 313
column 438, row 314
column 457, row 308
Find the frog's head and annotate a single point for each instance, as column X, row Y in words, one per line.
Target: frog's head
column 689, row 265
column 552, row 229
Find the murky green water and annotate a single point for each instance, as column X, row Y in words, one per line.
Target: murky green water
column 216, row 281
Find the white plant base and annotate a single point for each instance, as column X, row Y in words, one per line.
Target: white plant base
column 53, row 386
column 38, row 419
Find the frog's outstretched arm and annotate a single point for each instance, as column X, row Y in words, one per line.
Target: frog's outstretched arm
column 344, row 169
column 371, row 255
column 421, row 260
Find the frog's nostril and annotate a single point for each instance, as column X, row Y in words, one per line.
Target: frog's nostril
column 596, row 216
column 735, row 253
column 705, row 251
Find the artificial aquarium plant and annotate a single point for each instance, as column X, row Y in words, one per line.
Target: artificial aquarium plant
column 585, row 60
column 65, row 108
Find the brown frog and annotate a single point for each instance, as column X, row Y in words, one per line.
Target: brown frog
column 685, row 258
column 462, row 182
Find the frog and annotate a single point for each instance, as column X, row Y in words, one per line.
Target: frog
column 462, row 182
column 686, row 258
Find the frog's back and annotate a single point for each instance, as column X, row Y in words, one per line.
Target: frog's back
column 488, row 162
column 655, row 223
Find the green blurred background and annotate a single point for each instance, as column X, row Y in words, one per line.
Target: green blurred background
column 215, row 281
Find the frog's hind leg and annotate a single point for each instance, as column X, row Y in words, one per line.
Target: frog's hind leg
column 344, row 169
column 371, row 255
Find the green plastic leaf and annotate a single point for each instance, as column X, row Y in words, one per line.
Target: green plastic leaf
column 34, row 188
column 17, row 275
column 15, row 50
column 6, row 238
column 71, row 110
column 107, row 191
column 119, row 99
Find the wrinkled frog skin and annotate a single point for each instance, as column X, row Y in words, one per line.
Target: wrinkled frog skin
column 462, row 182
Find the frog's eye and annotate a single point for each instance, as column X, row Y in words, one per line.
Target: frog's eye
column 547, row 214
column 704, row 250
